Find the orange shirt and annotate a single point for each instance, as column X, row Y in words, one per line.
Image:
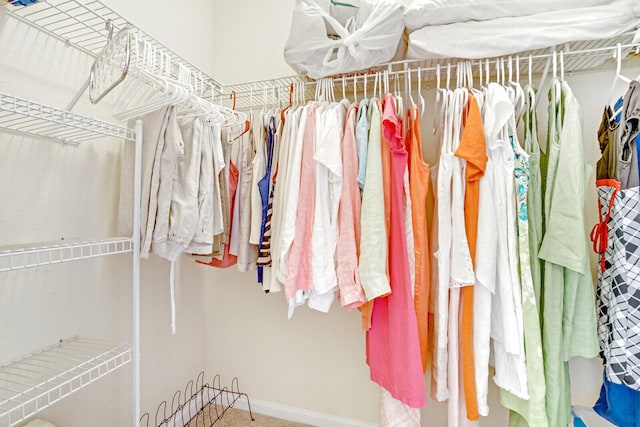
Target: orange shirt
column 419, row 188
column 473, row 148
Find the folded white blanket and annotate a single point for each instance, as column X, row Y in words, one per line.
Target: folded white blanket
column 505, row 36
column 439, row 12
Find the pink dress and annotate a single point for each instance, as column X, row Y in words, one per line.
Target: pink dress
column 393, row 347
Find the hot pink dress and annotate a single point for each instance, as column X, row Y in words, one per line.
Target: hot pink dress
column 393, row 347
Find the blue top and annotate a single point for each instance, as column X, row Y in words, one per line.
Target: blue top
column 619, row 404
column 263, row 188
column 362, row 140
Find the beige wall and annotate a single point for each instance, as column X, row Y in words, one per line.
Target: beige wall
column 50, row 191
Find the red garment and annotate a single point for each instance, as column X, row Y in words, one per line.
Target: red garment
column 227, row 259
column 393, row 347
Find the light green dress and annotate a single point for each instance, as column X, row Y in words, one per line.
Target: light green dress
column 529, row 412
column 534, row 193
column 567, row 290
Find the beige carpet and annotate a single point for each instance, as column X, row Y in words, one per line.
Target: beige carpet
column 238, row 418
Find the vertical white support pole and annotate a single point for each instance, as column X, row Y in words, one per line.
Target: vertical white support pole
column 136, row 274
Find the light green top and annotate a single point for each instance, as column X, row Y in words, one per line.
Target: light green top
column 531, row 412
column 567, row 288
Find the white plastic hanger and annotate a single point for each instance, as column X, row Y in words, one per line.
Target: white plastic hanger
column 375, row 84
column 410, row 87
column 442, row 100
column 355, row 88
column 617, row 54
column 153, row 91
column 516, row 93
column 365, row 86
column 422, row 102
column 344, row 89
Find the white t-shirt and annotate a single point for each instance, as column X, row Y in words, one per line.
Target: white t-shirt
column 506, row 313
column 328, row 160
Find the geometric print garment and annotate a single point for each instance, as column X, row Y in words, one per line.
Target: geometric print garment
column 630, row 210
column 616, row 355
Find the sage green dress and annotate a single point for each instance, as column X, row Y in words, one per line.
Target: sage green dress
column 567, row 298
column 531, row 412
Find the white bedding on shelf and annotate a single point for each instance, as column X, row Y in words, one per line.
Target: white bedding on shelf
column 327, row 39
column 421, row 13
column 510, row 35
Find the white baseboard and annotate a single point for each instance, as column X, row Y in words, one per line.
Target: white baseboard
column 298, row 415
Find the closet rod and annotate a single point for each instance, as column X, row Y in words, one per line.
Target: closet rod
column 273, row 91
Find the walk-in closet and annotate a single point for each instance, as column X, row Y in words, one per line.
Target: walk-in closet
column 319, row 213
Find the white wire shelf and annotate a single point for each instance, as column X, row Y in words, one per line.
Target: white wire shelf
column 34, row 382
column 83, row 25
column 578, row 56
column 25, row 116
column 18, row 258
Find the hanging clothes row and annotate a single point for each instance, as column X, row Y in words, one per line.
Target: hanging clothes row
column 513, row 281
column 478, row 261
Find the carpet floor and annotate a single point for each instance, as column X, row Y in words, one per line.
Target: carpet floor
column 238, row 418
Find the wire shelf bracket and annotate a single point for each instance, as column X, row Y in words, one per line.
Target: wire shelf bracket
column 32, row 383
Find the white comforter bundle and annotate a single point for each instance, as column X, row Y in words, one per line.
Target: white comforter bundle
column 329, row 37
column 488, row 28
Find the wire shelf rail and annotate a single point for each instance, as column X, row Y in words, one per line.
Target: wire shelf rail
column 20, row 258
column 32, row 118
column 578, row 56
column 37, row 381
